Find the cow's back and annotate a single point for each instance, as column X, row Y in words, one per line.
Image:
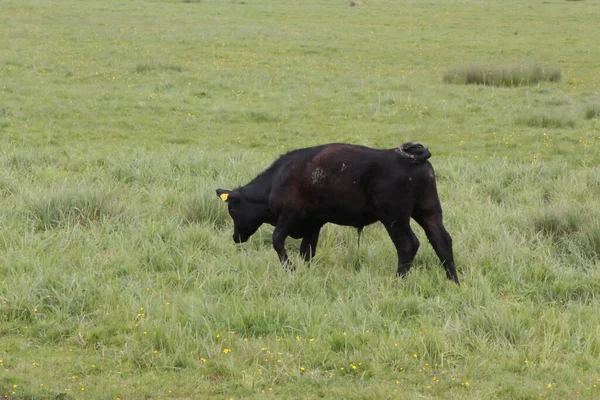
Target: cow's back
column 344, row 184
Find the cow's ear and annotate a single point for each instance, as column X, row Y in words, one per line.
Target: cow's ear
column 228, row 195
column 223, row 194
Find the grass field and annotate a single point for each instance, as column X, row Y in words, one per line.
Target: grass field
column 118, row 275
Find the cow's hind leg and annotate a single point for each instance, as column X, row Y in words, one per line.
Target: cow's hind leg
column 405, row 241
column 285, row 222
column 308, row 247
column 439, row 238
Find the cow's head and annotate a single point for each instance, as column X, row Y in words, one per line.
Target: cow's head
column 247, row 216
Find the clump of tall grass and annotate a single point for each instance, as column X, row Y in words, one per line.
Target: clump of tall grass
column 589, row 243
column 547, row 120
column 558, row 222
column 205, row 208
column 260, row 117
column 515, row 75
column 157, row 66
column 592, row 111
column 71, row 207
column 7, row 187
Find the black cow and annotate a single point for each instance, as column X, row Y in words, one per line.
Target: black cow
column 346, row 185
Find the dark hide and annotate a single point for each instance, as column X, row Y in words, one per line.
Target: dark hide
column 346, row 185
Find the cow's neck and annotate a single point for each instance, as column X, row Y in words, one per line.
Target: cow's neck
column 258, row 189
column 257, row 192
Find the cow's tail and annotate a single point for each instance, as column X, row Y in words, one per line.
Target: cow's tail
column 414, row 152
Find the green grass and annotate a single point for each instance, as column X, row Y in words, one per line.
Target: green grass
column 118, row 274
column 503, row 76
column 548, row 120
column 592, row 111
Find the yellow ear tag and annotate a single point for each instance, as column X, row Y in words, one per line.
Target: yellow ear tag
column 224, row 196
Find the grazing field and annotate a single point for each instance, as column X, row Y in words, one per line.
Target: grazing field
column 118, row 274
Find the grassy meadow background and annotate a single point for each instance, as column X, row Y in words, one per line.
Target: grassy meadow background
column 118, row 275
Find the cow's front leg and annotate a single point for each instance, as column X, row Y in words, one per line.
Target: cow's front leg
column 308, row 247
column 405, row 241
column 440, row 240
column 281, row 232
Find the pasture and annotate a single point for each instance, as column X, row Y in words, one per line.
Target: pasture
column 118, row 275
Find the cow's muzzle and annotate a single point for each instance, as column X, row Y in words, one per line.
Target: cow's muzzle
column 238, row 238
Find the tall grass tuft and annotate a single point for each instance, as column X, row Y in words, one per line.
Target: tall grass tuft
column 589, row 243
column 72, row 207
column 157, row 66
column 207, row 208
column 558, row 222
column 7, row 186
column 592, row 111
column 509, row 76
column 547, row 120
